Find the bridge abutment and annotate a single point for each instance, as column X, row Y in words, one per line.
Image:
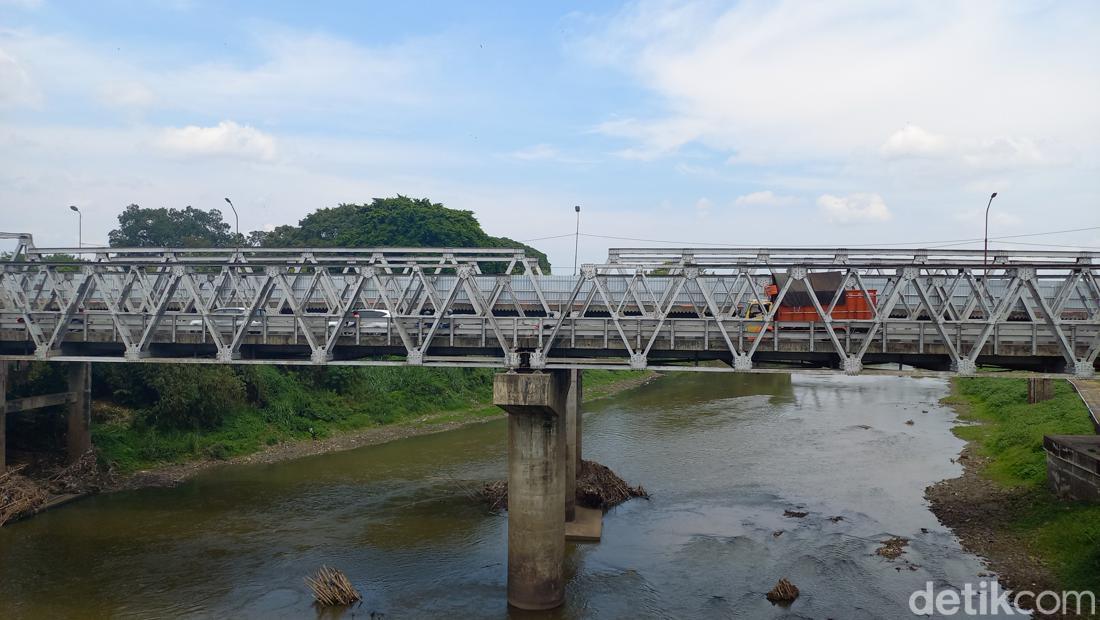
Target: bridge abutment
column 536, row 404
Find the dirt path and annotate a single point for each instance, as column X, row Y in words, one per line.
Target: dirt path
column 1089, row 391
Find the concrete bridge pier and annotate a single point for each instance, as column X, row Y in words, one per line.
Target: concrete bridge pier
column 78, row 403
column 573, row 397
column 78, row 439
column 537, row 429
column 3, row 416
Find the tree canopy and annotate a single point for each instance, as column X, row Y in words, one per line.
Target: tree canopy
column 392, row 222
column 179, row 228
column 385, row 222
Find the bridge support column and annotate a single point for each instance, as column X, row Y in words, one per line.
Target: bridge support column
column 536, row 407
column 573, row 419
column 3, row 416
column 79, row 437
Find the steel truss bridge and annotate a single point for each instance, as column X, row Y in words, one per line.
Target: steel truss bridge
column 665, row 309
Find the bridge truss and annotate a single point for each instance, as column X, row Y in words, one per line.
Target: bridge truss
column 643, row 308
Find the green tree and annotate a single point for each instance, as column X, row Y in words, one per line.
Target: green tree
column 391, row 222
column 179, row 228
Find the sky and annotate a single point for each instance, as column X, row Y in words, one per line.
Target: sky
column 671, row 124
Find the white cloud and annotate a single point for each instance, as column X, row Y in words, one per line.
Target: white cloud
column 854, row 208
column 1004, row 153
column 997, row 217
column 289, row 72
column 765, row 198
column 16, row 87
column 792, row 80
column 535, row 152
column 126, row 94
column 224, row 139
column 999, row 153
column 913, row 141
column 548, row 153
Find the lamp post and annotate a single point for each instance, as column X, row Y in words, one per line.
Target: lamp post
column 576, row 238
column 79, row 226
column 237, row 223
column 985, row 251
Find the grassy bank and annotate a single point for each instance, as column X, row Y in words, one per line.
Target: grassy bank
column 1009, row 435
column 263, row 406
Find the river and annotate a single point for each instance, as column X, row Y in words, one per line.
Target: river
column 723, row 457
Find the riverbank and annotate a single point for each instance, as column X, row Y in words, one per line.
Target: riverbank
column 254, row 440
column 598, row 384
column 1000, row 507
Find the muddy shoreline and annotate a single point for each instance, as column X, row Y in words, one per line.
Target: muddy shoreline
column 980, row 513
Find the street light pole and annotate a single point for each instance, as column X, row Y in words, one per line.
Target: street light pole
column 79, row 226
column 576, row 238
column 237, row 222
column 985, row 252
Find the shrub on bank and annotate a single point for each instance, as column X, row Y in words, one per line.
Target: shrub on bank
column 184, row 412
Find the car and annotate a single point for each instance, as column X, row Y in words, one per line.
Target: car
column 369, row 320
column 231, row 317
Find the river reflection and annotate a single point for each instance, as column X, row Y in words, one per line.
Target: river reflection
column 722, row 455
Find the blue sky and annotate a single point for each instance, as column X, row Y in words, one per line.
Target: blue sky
column 747, row 123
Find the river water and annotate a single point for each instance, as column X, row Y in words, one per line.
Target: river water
column 723, row 457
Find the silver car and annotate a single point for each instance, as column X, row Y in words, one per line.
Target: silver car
column 230, row 318
column 368, row 321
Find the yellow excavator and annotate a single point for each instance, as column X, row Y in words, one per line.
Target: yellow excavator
column 756, row 309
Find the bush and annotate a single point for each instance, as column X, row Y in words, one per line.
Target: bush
column 191, row 396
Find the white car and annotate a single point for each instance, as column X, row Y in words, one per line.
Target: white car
column 231, row 317
column 368, row 320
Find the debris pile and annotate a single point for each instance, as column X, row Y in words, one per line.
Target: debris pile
column 597, row 487
column 25, row 489
column 495, row 494
column 783, row 592
column 19, row 495
column 331, row 588
column 892, row 547
column 81, row 476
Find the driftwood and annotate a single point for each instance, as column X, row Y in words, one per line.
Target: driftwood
column 597, row 487
column 783, row 592
column 892, row 547
column 19, row 495
column 331, row 588
column 82, row 476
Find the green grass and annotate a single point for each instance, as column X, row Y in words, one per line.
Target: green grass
column 600, row 383
column 273, row 405
column 1065, row 535
column 284, row 405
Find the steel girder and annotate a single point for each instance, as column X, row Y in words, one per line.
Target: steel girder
column 644, row 308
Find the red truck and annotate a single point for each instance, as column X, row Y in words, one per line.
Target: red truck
column 797, row 307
